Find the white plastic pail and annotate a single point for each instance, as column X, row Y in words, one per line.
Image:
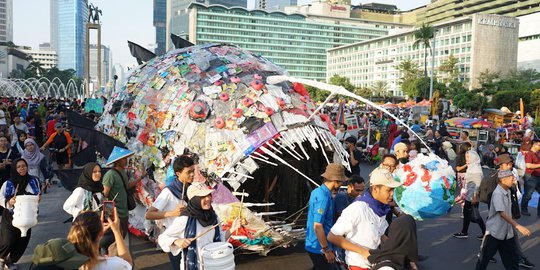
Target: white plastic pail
column 218, row 256
column 25, row 213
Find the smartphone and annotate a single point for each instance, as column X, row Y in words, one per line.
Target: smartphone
column 108, row 211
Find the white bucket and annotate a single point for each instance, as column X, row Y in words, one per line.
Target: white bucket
column 25, row 213
column 218, row 256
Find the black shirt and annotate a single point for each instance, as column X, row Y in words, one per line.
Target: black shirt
column 354, row 169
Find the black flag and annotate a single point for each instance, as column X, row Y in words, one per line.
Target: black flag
column 140, row 53
column 180, row 42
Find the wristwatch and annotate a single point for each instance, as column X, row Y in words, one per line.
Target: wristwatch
column 324, row 250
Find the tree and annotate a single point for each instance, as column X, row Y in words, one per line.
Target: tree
column 410, row 75
column 363, row 92
column 35, row 69
column 423, row 36
column 342, row 81
column 380, row 89
column 317, row 94
column 450, row 69
column 470, row 100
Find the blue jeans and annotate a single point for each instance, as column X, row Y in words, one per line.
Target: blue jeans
column 532, row 183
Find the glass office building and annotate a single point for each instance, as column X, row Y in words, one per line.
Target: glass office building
column 70, row 33
column 160, row 23
column 178, row 17
column 294, row 41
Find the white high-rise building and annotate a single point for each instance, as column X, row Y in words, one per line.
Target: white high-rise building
column 529, row 42
column 44, row 55
column 106, row 65
column 6, row 20
column 274, row 5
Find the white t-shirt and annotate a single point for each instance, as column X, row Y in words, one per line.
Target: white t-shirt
column 361, row 226
column 75, row 202
column 166, row 201
column 115, row 263
column 176, row 231
column 2, row 117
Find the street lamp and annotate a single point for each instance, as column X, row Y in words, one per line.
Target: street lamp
column 432, row 64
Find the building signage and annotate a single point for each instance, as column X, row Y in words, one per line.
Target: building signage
column 336, row 7
column 497, row 22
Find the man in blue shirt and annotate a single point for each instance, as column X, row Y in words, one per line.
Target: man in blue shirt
column 321, row 218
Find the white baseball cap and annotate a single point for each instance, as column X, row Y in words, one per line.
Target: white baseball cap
column 381, row 176
column 198, row 189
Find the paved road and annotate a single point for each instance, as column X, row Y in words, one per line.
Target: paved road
column 435, row 241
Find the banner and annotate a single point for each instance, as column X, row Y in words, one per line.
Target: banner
column 94, row 104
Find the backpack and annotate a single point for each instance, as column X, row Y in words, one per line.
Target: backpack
column 487, row 186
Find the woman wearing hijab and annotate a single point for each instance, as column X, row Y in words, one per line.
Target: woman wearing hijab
column 399, row 251
column 37, row 163
column 88, row 194
column 12, row 245
column 19, row 144
column 473, row 178
column 198, row 217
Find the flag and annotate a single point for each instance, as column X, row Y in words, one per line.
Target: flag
column 140, row 53
column 70, row 177
column 96, row 141
column 180, row 42
column 340, row 117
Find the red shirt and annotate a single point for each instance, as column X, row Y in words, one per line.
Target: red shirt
column 532, row 158
column 50, row 128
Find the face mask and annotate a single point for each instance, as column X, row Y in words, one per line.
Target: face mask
column 404, row 160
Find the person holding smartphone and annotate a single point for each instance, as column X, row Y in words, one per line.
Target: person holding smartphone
column 86, row 233
column 89, row 192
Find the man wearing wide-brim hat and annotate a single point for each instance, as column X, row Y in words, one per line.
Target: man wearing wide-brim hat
column 115, row 183
column 321, row 217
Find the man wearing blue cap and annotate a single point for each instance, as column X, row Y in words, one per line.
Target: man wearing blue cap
column 115, row 186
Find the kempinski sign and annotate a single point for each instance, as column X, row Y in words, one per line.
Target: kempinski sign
column 497, row 22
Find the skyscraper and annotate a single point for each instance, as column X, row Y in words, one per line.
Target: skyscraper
column 160, row 23
column 6, row 20
column 274, row 5
column 178, row 15
column 68, row 33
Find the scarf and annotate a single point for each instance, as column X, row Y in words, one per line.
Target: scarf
column 379, row 208
column 90, row 186
column 196, row 214
column 32, row 158
column 176, row 187
column 401, row 246
column 17, row 179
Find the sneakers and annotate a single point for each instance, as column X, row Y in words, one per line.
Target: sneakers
column 460, row 235
column 480, row 238
column 493, row 260
column 524, row 262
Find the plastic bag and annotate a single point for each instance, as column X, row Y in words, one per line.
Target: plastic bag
column 520, row 164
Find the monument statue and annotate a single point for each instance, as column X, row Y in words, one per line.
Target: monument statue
column 93, row 14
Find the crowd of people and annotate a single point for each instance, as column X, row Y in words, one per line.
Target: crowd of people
column 360, row 224
column 352, row 222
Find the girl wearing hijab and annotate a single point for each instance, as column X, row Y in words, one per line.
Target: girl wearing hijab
column 37, row 163
column 88, row 194
column 399, row 251
column 473, row 178
column 198, row 217
column 12, row 245
column 19, row 144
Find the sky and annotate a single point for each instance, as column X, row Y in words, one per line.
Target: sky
column 122, row 20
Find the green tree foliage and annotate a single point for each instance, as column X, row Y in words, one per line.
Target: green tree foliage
column 342, row 81
column 380, row 89
column 510, row 99
column 449, row 68
column 423, row 36
column 363, row 92
column 470, row 100
column 410, row 77
column 317, row 94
